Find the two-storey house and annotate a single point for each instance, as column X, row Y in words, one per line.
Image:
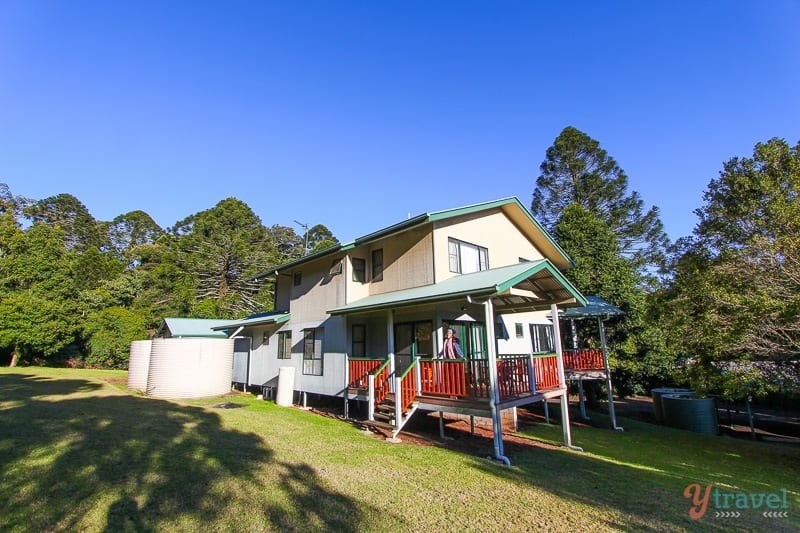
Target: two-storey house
column 366, row 319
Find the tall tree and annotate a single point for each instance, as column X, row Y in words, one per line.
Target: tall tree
column 81, row 230
column 577, row 170
column 39, row 300
column 224, row 247
column 129, row 230
column 735, row 294
column 320, row 238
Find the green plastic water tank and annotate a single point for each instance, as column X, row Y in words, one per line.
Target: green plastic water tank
column 657, row 404
column 685, row 411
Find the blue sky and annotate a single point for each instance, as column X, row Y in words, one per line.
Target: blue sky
column 355, row 114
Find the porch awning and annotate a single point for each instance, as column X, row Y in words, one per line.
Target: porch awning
column 255, row 320
column 529, row 286
column 595, row 307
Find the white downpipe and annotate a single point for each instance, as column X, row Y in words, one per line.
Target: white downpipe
column 562, row 379
column 494, row 391
column 611, row 410
column 371, row 399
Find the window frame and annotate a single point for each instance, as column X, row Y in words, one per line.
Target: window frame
column 362, row 342
column 518, row 331
column 359, row 266
column 377, row 265
column 454, row 256
column 313, row 361
column 284, row 337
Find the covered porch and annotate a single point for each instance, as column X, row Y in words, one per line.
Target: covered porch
column 409, row 376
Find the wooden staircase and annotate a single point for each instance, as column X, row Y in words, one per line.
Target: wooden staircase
column 385, row 416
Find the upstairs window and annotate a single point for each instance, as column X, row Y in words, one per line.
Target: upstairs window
column 465, row 257
column 377, row 265
column 359, row 270
column 298, row 278
column 518, row 330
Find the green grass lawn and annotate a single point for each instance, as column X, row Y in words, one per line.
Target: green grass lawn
column 79, row 452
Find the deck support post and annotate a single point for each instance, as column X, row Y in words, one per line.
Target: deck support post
column 562, row 380
column 581, row 399
column 441, row 425
column 494, row 390
column 546, row 411
column 608, row 375
column 471, row 425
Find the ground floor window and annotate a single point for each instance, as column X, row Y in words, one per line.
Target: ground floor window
column 312, row 351
column 284, row 344
column 542, row 338
column 359, row 341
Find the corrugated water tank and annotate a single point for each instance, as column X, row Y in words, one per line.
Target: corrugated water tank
column 138, row 365
column 658, row 410
column 684, row 411
column 190, row 368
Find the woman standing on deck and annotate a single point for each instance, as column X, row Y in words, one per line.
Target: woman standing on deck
column 451, row 348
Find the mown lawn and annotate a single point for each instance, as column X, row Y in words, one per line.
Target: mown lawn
column 79, row 452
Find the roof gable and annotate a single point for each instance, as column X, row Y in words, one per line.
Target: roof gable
column 511, row 206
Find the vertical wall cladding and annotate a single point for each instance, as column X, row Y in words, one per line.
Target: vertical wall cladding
column 511, row 343
column 494, row 230
column 263, row 359
column 138, row 365
column 190, row 368
column 321, row 288
column 407, row 261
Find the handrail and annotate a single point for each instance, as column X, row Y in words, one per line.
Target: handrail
column 407, row 370
column 384, row 365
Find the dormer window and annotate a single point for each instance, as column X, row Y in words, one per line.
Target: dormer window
column 465, row 257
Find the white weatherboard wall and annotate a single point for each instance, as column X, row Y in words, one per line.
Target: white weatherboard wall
column 190, row 368
column 139, row 365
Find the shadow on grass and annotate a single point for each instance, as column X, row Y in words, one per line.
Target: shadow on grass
column 641, row 474
column 73, row 457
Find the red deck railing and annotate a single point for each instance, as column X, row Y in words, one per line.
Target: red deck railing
column 545, row 369
column 459, row 378
column 513, row 376
column 360, row 369
column 583, row 360
column 443, row 377
column 408, row 386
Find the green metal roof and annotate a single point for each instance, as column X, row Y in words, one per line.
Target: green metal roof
column 595, row 307
column 540, row 277
column 255, row 320
column 424, row 219
column 193, row 327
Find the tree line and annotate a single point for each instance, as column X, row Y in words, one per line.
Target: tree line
column 718, row 310
column 76, row 290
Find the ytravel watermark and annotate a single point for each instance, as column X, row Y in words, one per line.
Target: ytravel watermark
column 732, row 504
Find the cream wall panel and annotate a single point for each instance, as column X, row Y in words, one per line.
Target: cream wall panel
column 492, row 230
